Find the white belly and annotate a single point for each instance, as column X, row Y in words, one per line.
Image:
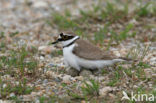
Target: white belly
column 76, row 62
column 69, row 58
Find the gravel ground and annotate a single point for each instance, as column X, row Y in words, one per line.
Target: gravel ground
column 27, row 19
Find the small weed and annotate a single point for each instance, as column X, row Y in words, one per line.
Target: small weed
column 14, row 33
column 101, row 35
column 57, row 53
column 91, row 89
column 128, row 71
column 67, row 13
column 18, row 89
column 64, row 84
column 51, row 99
column 2, row 45
column 144, row 65
column 104, row 71
column 140, row 73
column 143, row 10
column 124, row 34
column 138, row 52
column 115, row 79
column 112, row 83
column 75, row 95
column 2, row 35
column 20, row 59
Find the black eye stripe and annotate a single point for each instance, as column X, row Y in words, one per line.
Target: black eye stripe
column 64, row 38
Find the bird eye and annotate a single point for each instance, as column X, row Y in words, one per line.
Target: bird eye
column 61, row 34
column 65, row 37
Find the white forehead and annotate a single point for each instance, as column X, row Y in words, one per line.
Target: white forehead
column 59, row 36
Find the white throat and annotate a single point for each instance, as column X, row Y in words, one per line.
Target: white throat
column 65, row 43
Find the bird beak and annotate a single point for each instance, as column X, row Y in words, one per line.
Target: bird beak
column 55, row 42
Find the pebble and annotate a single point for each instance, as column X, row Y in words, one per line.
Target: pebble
column 4, row 86
column 80, row 78
column 41, row 57
column 133, row 21
column 40, row 4
column 153, row 61
column 51, row 65
column 57, row 79
column 45, row 81
column 12, row 95
column 85, row 73
column 67, row 79
column 104, row 91
column 45, row 49
column 73, row 72
column 112, row 96
column 148, row 73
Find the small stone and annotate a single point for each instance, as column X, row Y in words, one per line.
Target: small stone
column 27, row 97
column 153, row 75
column 40, row 4
column 104, row 91
column 37, row 100
column 4, row 85
column 45, row 49
column 57, row 79
column 51, row 65
column 83, row 101
column 12, row 95
column 67, row 79
column 133, row 21
column 79, row 78
column 41, row 58
column 41, row 65
column 84, row 84
column 17, row 82
column 112, row 96
column 73, row 72
column 38, row 87
column 45, row 81
column 97, row 72
column 148, row 73
column 127, row 66
column 153, row 61
column 85, row 73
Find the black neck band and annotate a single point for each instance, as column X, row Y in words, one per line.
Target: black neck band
column 70, row 43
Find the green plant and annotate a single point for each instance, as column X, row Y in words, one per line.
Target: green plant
column 56, row 53
column 115, row 79
column 101, row 35
column 17, row 89
column 1, row 35
column 143, row 10
column 51, row 99
column 13, row 34
column 91, row 89
column 20, row 59
column 2, row 45
column 138, row 53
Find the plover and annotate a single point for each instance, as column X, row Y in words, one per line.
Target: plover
column 80, row 53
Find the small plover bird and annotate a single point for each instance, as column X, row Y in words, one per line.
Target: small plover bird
column 80, row 53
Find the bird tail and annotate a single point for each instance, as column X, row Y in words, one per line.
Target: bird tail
column 124, row 59
column 128, row 59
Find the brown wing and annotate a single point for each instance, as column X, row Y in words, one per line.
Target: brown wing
column 90, row 52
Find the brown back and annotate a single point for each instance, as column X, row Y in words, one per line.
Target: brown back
column 90, row 51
